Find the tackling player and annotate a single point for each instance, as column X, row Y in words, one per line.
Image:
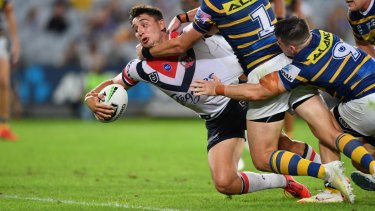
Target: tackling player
column 5, row 88
column 323, row 60
column 248, row 27
column 361, row 18
column 225, row 118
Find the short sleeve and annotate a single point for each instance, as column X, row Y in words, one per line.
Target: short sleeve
column 129, row 73
column 289, row 76
column 202, row 21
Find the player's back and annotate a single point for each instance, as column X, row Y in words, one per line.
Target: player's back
column 334, row 66
column 247, row 25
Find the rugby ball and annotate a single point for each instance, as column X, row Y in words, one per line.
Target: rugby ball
column 116, row 96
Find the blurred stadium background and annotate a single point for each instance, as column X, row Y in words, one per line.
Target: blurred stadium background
column 69, row 46
column 63, row 163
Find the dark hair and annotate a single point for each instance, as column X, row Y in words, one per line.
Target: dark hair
column 140, row 9
column 292, row 31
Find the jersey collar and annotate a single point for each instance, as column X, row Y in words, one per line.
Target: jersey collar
column 368, row 9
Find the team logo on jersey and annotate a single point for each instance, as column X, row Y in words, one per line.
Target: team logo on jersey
column 202, row 17
column 167, row 67
column 290, row 72
column 154, row 77
column 237, row 5
column 326, row 41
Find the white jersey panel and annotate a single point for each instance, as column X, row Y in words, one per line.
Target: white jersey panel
column 174, row 75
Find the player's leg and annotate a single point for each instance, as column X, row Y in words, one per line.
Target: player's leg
column 289, row 124
column 223, row 158
column 303, row 149
column 285, row 162
column 5, row 132
column 361, row 177
column 357, row 117
column 226, row 135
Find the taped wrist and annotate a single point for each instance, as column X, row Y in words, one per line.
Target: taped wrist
column 220, row 89
column 183, row 17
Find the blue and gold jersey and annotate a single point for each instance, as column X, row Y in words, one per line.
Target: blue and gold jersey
column 363, row 24
column 247, row 25
column 333, row 66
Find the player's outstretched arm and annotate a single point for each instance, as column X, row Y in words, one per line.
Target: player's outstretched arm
column 269, row 86
column 171, row 47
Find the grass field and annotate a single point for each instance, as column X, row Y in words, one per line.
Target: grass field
column 133, row 164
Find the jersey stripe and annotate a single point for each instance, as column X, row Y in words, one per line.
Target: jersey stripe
column 259, row 49
column 260, row 60
column 357, row 68
column 211, row 6
column 321, row 70
column 362, row 20
column 339, row 69
column 366, row 89
column 234, row 22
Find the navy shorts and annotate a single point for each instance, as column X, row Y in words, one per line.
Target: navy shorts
column 231, row 123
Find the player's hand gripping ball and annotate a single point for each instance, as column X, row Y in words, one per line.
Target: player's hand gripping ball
column 116, row 96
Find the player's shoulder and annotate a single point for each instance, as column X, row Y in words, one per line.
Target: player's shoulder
column 132, row 64
column 290, row 72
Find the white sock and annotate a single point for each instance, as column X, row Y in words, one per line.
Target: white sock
column 252, row 182
column 310, row 154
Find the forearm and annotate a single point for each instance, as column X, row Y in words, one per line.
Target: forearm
column 98, row 88
column 251, row 92
column 168, row 48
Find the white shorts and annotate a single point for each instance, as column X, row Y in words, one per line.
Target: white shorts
column 3, row 48
column 267, row 108
column 358, row 114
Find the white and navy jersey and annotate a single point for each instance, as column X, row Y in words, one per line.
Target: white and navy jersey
column 173, row 75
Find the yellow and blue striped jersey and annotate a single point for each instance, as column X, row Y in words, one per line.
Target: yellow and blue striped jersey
column 333, row 66
column 247, row 25
column 363, row 24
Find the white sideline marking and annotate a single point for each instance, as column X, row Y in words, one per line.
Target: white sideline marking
column 89, row 204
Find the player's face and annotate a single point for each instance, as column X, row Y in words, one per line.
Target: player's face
column 148, row 30
column 358, row 5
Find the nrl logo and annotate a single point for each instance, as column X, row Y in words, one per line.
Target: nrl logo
column 154, row 77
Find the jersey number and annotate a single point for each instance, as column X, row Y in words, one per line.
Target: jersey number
column 342, row 50
column 261, row 15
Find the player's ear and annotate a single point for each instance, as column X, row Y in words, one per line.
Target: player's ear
column 162, row 25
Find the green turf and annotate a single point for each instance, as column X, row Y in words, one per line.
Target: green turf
column 135, row 164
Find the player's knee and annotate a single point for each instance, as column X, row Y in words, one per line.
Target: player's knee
column 224, row 183
column 261, row 163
